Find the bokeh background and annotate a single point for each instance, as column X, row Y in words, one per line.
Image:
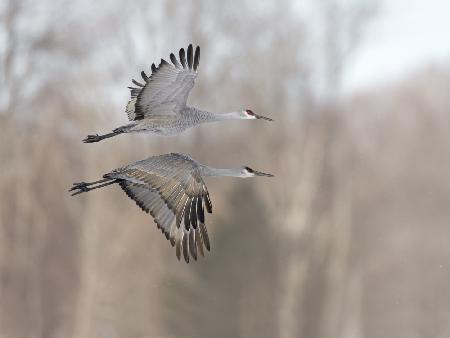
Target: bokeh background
column 351, row 239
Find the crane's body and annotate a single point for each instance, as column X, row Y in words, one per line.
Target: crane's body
column 158, row 105
column 172, row 125
column 170, row 187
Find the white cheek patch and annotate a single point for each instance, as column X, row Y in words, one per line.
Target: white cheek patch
column 248, row 116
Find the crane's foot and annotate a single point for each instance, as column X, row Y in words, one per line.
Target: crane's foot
column 97, row 137
column 79, row 188
column 93, row 138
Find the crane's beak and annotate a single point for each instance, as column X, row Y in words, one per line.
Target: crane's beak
column 259, row 173
column 260, row 117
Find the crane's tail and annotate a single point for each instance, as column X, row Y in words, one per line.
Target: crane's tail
column 98, row 138
column 81, row 187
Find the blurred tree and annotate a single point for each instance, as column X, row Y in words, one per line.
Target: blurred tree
column 338, row 244
column 230, row 292
column 343, row 25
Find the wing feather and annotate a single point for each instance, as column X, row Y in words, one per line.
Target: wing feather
column 187, row 214
column 193, row 213
column 171, row 189
column 199, row 242
column 182, row 56
column 189, row 56
column 166, row 90
column 136, row 83
column 145, row 77
column 174, row 60
column 196, row 58
column 185, row 247
column 205, row 236
column 192, row 245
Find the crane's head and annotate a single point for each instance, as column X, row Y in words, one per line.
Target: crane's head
column 250, row 115
column 249, row 172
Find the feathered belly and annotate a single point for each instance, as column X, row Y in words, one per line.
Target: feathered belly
column 163, row 129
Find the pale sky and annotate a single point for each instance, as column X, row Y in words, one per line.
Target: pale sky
column 405, row 36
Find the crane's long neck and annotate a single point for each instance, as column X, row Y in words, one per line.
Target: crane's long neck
column 204, row 116
column 208, row 171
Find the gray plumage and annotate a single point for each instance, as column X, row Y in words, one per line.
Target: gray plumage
column 170, row 187
column 158, row 105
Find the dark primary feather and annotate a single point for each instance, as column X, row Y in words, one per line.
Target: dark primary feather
column 185, row 248
column 144, row 76
column 192, row 245
column 207, row 203
column 193, row 213
column 199, row 242
column 187, row 214
column 200, row 211
column 189, row 56
column 205, row 236
column 196, row 57
column 174, row 60
column 137, row 83
column 182, row 57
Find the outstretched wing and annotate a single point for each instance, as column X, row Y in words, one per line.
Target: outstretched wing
column 170, row 188
column 167, row 89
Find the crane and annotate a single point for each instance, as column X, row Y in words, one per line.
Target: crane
column 171, row 189
column 158, row 105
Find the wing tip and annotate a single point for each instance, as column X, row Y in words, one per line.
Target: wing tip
column 185, row 248
column 136, row 83
column 174, row 60
column 196, row 58
column 145, row 77
column 182, row 56
column 190, row 56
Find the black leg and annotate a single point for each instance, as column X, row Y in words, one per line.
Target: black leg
column 85, row 186
column 97, row 138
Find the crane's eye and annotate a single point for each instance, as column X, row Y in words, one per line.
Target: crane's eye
column 249, row 112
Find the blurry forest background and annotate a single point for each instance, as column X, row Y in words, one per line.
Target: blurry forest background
column 351, row 239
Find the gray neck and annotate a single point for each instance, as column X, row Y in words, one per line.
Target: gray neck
column 204, row 116
column 208, row 171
